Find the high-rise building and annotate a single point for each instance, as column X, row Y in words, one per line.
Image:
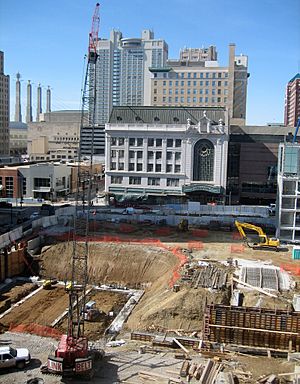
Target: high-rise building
column 122, row 75
column 292, row 101
column 4, row 109
column 197, row 80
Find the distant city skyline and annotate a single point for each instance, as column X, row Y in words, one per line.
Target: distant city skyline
column 46, row 42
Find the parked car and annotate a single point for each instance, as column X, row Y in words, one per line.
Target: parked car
column 14, row 357
column 34, row 215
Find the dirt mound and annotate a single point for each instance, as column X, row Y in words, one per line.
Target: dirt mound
column 169, row 310
column 108, row 263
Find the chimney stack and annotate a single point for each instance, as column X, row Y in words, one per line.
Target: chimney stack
column 18, row 115
column 48, row 106
column 29, row 103
column 39, row 102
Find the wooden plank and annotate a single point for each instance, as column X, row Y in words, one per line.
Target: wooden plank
column 181, row 346
column 254, row 288
column 252, row 329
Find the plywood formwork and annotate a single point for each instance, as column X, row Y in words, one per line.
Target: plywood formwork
column 255, row 327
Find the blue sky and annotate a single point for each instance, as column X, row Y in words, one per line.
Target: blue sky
column 46, row 42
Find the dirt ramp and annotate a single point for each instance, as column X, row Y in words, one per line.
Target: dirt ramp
column 125, row 264
column 174, row 310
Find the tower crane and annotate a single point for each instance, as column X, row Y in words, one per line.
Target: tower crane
column 73, row 357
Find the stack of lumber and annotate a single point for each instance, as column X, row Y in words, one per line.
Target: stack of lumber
column 209, row 276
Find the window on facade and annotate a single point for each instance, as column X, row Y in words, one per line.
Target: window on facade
column 219, row 99
column 158, row 155
column 121, row 166
column 169, row 155
column 139, row 141
column 177, row 168
column 113, row 153
column 131, row 166
column 116, row 179
column 150, row 155
column 182, row 91
column 121, row 154
column 121, row 140
column 9, row 186
column 153, row 181
column 41, row 182
column 150, row 142
column 169, row 168
column 150, row 168
column 139, row 167
column 157, row 167
column 178, row 143
column 204, row 161
column 182, row 99
column 169, row 143
column 131, row 154
column 172, row 182
column 225, row 99
column 158, row 142
column 177, row 155
column 113, row 141
column 188, row 99
column 176, row 99
column 135, row 180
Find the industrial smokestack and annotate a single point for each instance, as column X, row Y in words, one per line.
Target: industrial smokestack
column 29, row 103
column 39, row 102
column 18, row 115
column 48, row 106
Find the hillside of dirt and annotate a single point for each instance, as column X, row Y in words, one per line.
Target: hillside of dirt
column 112, row 263
column 133, row 265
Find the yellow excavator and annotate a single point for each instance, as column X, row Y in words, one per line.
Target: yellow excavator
column 265, row 242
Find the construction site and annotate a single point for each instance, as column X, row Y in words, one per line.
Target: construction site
column 220, row 309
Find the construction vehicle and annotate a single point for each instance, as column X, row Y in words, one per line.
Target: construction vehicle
column 183, row 225
column 265, row 242
column 91, row 312
column 48, row 283
column 73, row 357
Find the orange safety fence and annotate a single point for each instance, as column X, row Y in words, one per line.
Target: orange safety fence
column 234, row 248
column 176, row 271
column 200, row 232
column 36, row 329
column 292, row 268
column 195, row 245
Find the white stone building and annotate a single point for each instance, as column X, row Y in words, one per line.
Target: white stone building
column 167, row 151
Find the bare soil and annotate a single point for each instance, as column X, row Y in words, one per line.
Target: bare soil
column 106, row 302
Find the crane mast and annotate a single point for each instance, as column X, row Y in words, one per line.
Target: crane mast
column 80, row 250
column 72, row 356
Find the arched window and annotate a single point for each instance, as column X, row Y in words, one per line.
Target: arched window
column 204, row 161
